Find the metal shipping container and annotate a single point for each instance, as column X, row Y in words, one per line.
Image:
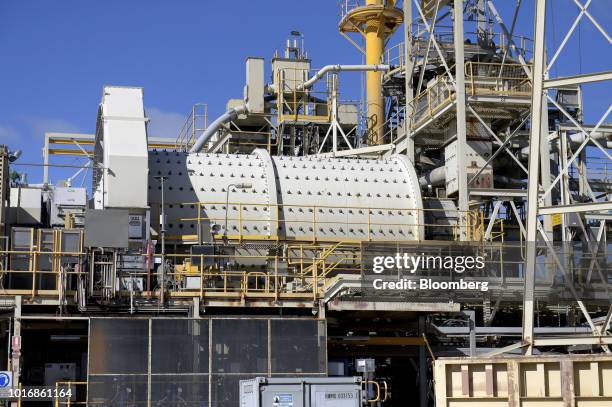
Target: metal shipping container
column 524, row 381
column 301, row 392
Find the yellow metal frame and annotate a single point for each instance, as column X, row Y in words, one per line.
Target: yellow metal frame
column 298, row 99
column 68, row 402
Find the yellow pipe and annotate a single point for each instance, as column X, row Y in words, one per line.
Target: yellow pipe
column 375, row 45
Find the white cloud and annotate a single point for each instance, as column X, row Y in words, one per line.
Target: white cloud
column 8, row 135
column 164, row 124
column 42, row 125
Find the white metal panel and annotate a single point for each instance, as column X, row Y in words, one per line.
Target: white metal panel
column 25, row 206
column 122, row 137
column 255, row 83
column 476, row 155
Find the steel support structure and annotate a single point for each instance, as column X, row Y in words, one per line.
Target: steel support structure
column 408, row 67
column 533, row 183
column 540, row 205
column 461, row 117
column 16, row 346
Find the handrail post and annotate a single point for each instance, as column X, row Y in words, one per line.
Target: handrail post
column 34, row 266
column 199, row 223
column 276, row 277
column 314, row 282
column 369, row 224
column 314, row 224
column 201, row 276
column 240, row 222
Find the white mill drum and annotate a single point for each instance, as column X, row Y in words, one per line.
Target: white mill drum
column 290, row 198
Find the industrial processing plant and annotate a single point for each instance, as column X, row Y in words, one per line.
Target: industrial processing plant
column 419, row 219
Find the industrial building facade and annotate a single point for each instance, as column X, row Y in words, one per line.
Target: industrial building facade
column 247, row 246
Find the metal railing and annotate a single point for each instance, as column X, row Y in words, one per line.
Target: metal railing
column 296, row 104
column 195, row 124
column 346, row 6
column 445, row 37
column 598, row 169
column 240, row 214
column 485, row 78
column 395, row 55
column 300, row 274
column 481, row 78
column 430, row 101
column 72, row 399
column 235, row 276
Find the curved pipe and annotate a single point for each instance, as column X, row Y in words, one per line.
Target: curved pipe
column 338, row 68
column 214, row 126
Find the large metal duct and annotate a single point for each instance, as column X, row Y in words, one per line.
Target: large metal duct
column 290, row 198
column 226, row 117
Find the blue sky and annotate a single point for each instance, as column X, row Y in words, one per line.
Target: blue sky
column 56, row 56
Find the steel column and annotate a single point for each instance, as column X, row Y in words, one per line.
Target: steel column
column 461, row 117
column 534, row 164
column 408, row 67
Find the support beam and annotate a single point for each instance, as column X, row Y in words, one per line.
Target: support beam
column 423, row 370
column 370, row 150
column 461, row 117
column 578, row 79
column 534, row 166
column 408, row 68
column 339, row 305
column 575, row 208
column 498, row 205
column 16, row 346
column 574, row 340
column 378, row 340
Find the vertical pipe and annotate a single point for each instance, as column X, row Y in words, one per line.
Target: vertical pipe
column 375, row 44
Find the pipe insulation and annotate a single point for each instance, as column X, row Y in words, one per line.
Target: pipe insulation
column 338, row 68
column 227, row 117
